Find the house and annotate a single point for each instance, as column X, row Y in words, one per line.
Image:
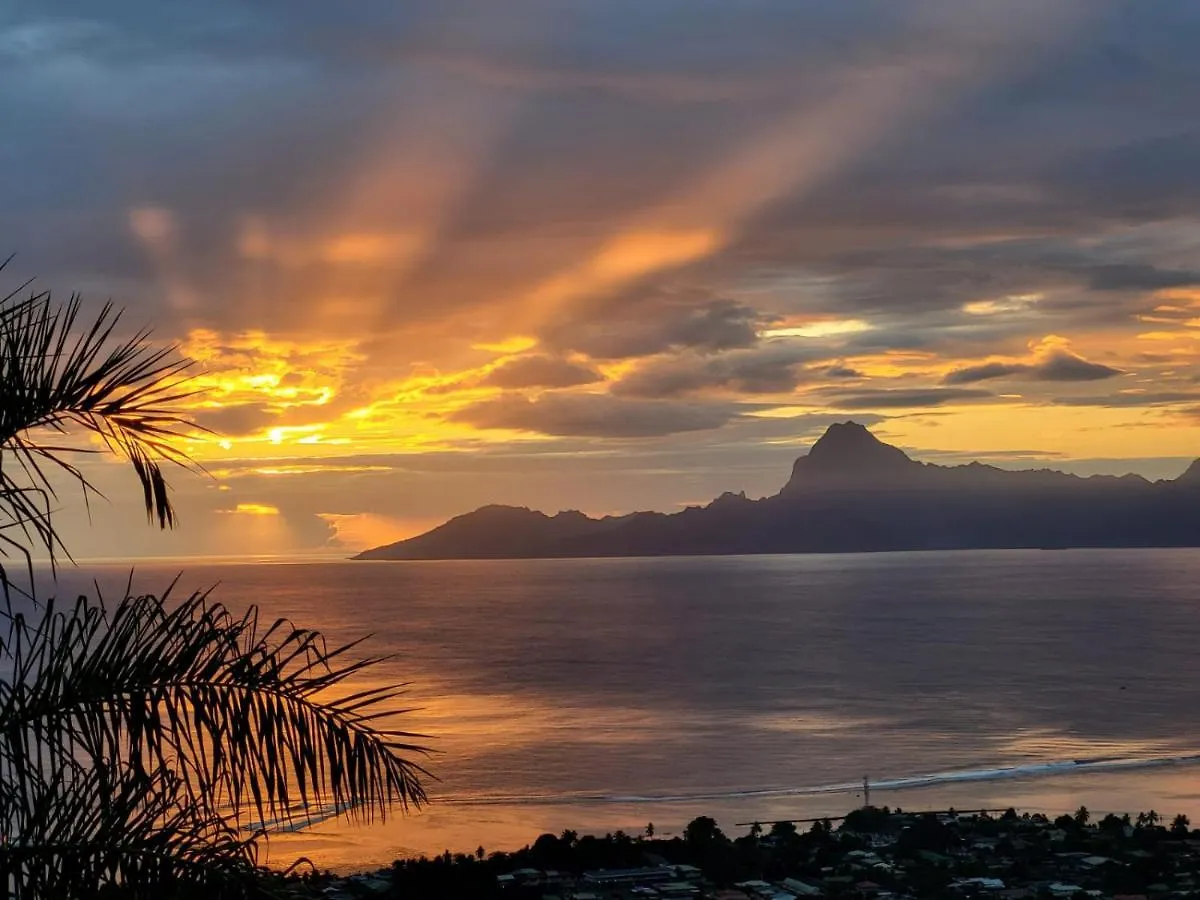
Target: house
column 982, row 884
column 802, row 889
column 609, row 878
column 677, row 889
column 1063, row 889
column 757, row 888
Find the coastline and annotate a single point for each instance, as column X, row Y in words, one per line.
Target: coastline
column 871, row 852
column 461, row 828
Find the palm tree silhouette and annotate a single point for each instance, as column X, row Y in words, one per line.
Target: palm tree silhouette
column 149, row 744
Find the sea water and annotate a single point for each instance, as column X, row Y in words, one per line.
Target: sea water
column 608, row 694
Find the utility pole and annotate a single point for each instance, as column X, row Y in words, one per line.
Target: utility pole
column 866, row 790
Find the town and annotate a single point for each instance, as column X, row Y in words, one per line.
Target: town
column 874, row 854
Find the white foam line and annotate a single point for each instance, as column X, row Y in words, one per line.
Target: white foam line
column 300, row 821
column 913, row 782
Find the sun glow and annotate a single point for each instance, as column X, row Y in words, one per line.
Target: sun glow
column 255, row 509
column 819, row 329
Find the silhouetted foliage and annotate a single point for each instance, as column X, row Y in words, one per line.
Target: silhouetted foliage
column 146, row 746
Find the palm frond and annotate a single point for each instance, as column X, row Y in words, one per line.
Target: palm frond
column 58, row 375
column 246, row 717
column 79, row 830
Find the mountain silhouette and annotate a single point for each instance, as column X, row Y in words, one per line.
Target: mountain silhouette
column 850, row 493
column 847, row 454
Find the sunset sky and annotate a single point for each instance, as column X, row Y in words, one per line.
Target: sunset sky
column 611, row 254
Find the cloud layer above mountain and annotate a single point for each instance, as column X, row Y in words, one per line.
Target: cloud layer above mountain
column 638, row 237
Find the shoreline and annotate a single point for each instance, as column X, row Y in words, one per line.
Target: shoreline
column 873, row 852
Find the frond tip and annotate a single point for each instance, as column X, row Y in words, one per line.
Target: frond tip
column 59, row 375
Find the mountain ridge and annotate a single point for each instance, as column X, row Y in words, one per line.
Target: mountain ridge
column 850, row 493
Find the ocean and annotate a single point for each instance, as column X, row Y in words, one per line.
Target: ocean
column 608, row 694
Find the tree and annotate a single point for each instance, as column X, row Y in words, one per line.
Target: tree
column 1181, row 826
column 1114, row 825
column 649, row 831
column 783, row 830
column 1082, row 816
column 702, row 832
column 150, row 744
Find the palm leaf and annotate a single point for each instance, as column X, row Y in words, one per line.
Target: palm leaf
column 208, row 717
column 59, row 375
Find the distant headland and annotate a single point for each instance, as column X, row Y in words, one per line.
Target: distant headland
column 850, row 493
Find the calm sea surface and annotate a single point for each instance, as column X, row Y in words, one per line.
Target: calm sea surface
column 605, row 694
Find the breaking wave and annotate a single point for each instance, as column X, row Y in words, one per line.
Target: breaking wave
column 912, row 782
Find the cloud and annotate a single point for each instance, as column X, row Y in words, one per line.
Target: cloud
column 985, row 371
column 841, row 371
column 238, row 419
column 1131, row 399
column 772, row 368
column 593, row 415
column 642, row 326
column 1059, row 364
column 898, row 398
column 1133, row 276
column 1062, row 365
column 540, row 371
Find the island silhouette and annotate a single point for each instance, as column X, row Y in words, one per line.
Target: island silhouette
column 851, row 493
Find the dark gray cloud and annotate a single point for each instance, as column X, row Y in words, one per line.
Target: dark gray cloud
column 540, row 371
column 898, row 398
column 1147, row 176
column 1131, row 276
column 840, row 371
column 772, row 368
column 594, row 415
column 985, row 371
column 1059, row 365
column 1063, row 366
column 657, row 322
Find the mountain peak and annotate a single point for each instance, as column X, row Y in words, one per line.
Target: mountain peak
column 848, row 450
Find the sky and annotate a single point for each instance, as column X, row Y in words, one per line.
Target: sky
column 610, row 254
